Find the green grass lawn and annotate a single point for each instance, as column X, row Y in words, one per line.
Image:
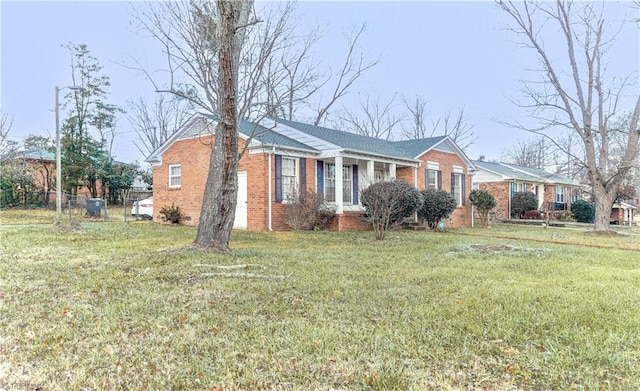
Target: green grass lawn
column 121, row 306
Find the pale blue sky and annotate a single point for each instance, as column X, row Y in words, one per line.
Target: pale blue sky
column 456, row 54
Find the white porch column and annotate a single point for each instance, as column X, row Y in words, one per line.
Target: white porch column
column 540, row 191
column 392, row 170
column 339, row 199
column 371, row 174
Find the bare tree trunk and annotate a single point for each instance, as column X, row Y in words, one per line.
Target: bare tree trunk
column 603, row 203
column 220, row 195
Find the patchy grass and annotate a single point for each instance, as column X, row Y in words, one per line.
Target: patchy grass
column 122, row 306
column 577, row 234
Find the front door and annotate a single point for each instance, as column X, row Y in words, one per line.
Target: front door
column 240, row 221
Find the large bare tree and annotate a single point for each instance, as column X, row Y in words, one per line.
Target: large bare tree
column 575, row 92
column 354, row 66
column 372, row 118
column 155, row 122
column 278, row 74
column 420, row 123
column 221, row 190
column 271, row 74
column 532, row 153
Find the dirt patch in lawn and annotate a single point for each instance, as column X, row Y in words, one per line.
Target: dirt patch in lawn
column 491, row 247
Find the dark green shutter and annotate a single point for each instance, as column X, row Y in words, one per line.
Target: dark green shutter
column 303, row 175
column 320, row 177
column 278, row 178
column 355, row 184
column 463, row 190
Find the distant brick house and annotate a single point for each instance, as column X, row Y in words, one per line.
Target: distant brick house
column 623, row 213
column 283, row 156
column 40, row 165
column 502, row 180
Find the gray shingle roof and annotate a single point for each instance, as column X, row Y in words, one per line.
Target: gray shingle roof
column 409, row 149
column 524, row 173
column 545, row 174
column 261, row 134
column 417, row 147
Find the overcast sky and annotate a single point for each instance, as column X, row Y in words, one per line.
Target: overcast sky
column 455, row 54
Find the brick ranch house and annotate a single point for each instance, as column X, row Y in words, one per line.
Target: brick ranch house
column 502, row 180
column 284, row 156
column 40, row 164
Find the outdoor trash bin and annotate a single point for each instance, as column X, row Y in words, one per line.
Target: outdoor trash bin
column 94, row 207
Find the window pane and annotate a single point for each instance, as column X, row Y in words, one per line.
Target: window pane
column 378, row 175
column 432, row 179
column 457, row 188
column 289, row 177
column 346, row 172
column 330, row 190
column 174, row 176
column 288, row 166
column 329, row 182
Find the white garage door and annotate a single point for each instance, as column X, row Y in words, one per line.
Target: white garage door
column 240, row 221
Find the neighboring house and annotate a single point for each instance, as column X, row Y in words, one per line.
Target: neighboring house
column 26, row 178
column 283, row 157
column 623, row 213
column 41, row 165
column 502, row 180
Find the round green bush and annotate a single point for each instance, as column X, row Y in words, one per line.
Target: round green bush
column 583, row 211
column 388, row 202
column 436, row 205
column 522, row 202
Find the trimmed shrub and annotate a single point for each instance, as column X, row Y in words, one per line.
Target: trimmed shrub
column 583, row 211
column 308, row 211
column 171, row 214
column 532, row 215
column 565, row 215
column 436, row 205
column 522, row 202
column 483, row 201
column 387, row 203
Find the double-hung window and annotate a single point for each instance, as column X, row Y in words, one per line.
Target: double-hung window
column 561, row 194
column 289, row 177
column 378, row 175
column 347, row 193
column 457, row 185
column 175, row 175
column 433, row 176
column 330, row 183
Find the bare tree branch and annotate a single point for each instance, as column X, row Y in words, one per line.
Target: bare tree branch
column 578, row 95
column 374, row 119
column 355, row 64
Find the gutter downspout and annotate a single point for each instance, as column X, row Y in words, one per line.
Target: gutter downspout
column 415, row 184
column 269, row 197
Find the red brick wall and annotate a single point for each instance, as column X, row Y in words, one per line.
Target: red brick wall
column 461, row 216
column 500, row 192
column 549, row 196
column 193, row 155
column 349, row 221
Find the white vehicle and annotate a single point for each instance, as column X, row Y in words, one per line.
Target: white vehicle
column 143, row 209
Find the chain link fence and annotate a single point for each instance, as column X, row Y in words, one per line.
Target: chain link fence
column 82, row 206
